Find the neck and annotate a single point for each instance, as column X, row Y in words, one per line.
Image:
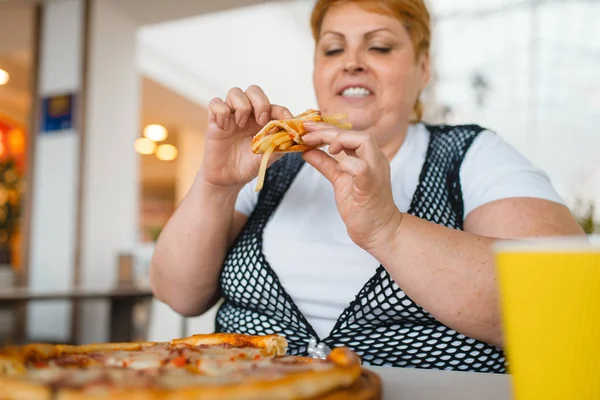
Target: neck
column 391, row 143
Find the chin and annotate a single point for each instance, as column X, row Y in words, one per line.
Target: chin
column 361, row 119
column 360, row 122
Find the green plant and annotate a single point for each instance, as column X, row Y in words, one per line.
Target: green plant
column 585, row 216
column 154, row 232
column 10, row 206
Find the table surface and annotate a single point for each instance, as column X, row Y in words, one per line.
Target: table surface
column 420, row 384
column 25, row 294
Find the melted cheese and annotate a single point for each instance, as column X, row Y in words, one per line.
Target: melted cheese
column 177, row 379
column 219, row 361
column 152, row 357
column 45, row 375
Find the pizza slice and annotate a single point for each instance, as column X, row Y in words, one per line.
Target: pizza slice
column 285, row 136
column 213, row 366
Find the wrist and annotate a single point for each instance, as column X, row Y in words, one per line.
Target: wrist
column 212, row 191
column 384, row 243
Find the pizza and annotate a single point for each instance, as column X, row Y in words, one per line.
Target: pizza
column 212, row 366
column 285, row 136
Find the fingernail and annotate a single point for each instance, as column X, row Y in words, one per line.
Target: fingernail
column 309, row 124
column 263, row 118
column 307, row 136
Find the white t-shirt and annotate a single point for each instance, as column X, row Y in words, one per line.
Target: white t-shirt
column 323, row 280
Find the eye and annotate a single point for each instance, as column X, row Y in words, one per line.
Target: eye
column 382, row 50
column 333, row 52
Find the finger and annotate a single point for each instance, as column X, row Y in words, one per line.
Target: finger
column 322, row 162
column 240, row 104
column 359, row 170
column 219, row 113
column 320, row 137
column 280, row 112
column 363, row 144
column 260, row 103
column 360, row 144
column 313, row 126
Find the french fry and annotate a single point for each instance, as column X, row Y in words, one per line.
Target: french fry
column 263, row 168
column 286, row 145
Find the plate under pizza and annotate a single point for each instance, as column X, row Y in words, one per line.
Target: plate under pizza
column 212, row 366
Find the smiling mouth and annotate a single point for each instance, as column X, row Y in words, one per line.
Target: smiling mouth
column 355, row 92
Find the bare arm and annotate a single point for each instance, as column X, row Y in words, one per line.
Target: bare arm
column 451, row 273
column 184, row 272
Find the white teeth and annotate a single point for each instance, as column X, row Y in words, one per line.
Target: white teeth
column 356, row 92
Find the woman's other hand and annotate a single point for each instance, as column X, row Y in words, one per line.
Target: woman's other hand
column 361, row 182
column 228, row 161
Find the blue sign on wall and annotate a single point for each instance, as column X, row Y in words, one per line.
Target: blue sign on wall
column 58, row 113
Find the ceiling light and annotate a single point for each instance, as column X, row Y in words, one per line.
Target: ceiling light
column 155, row 132
column 4, row 77
column 144, row 146
column 166, row 152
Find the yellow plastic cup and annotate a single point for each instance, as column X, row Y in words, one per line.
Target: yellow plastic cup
column 550, row 301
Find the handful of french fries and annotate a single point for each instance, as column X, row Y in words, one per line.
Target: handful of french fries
column 285, row 136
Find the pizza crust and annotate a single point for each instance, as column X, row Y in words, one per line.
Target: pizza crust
column 103, row 347
column 124, row 394
column 16, row 389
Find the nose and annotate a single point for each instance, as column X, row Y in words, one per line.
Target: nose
column 353, row 67
column 354, row 64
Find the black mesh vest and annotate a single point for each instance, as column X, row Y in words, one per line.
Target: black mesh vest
column 382, row 324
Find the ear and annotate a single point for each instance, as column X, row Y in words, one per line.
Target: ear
column 425, row 69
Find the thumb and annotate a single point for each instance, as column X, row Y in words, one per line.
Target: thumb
column 322, row 162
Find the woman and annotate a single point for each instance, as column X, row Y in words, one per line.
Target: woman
column 383, row 243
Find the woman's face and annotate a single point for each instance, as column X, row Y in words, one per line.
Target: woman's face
column 365, row 66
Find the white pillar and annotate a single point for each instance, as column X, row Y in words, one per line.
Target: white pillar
column 108, row 196
column 55, row 177
column 110, row 180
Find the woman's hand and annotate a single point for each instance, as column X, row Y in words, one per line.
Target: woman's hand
column 229, row 162
column 361, row 181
